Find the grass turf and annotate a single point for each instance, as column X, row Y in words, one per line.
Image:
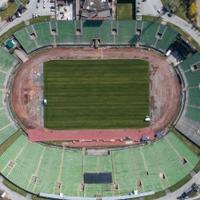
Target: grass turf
column 124, row 11
column 86, row 94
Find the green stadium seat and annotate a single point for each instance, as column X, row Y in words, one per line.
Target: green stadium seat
column 43, row 32
column 194, row 97
column 96, row 30
column 129, row 167
column 189, row 62
column 7, row 61
column 24, row 38
column 149, row 30
column 193, row 78
column 168, row 37
column 6, row 132
column 126, row 33
column 1, row 99
column 2, row 79
column 4, row 119
column 66, row 32
column 193, row 113
column 53, row 25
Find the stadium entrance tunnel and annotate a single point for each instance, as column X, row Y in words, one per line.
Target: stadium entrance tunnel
column 98, row 178
column 180, row 50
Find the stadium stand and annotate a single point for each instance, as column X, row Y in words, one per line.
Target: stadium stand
column 59, row 170
column 66, row 33
column 23, row 36
column 167, row 38
column 6, row 132
column 97, row 30
column 43, row 32
column 194, row 97
column 1, row 98
column 186, row 64
column 188, row 123
column 126, row 35
column 53, row 27
column 148, row 37
column 6, row 126
column 189, row 128
column 2, row 79
column 193, row 113
column 4, row 120
column 192, row 78
column 116, row 33
column 40, row 168
column 7, row 61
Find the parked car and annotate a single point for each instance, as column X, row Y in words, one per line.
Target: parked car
column 21, row 9
column 18, row 14
column 9, row 19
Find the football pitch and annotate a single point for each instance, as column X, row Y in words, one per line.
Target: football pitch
column 96, row 94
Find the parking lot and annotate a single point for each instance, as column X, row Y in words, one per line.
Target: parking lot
column 44, row 7
column 64, row 12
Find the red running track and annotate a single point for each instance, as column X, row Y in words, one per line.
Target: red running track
column 109, row 137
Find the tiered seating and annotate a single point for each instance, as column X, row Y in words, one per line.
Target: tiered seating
column 193, row 113
column 168, row 37
column 24, row 38
column 96, row 30
column 6, row 132
column 47, row 179
column 186, row 64
column 6, row 128
column 2, row 79
column 194, row 97
column 148, row 37
column 1, row 99
column 43, row 34
column 193, row 78
column 56, row 166
column 4, row 119
column 71, row 172
column 54, row 25
column 126, row 33
column 191, row 69
column 7, row 61
column 66, row 32
column 188, row 124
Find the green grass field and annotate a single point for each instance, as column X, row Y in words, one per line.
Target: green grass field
column 124, row 11
column 96, row 94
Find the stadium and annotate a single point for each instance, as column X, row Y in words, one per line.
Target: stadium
column 99, row 109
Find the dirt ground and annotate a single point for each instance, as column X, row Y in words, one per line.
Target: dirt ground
column 27, row 92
